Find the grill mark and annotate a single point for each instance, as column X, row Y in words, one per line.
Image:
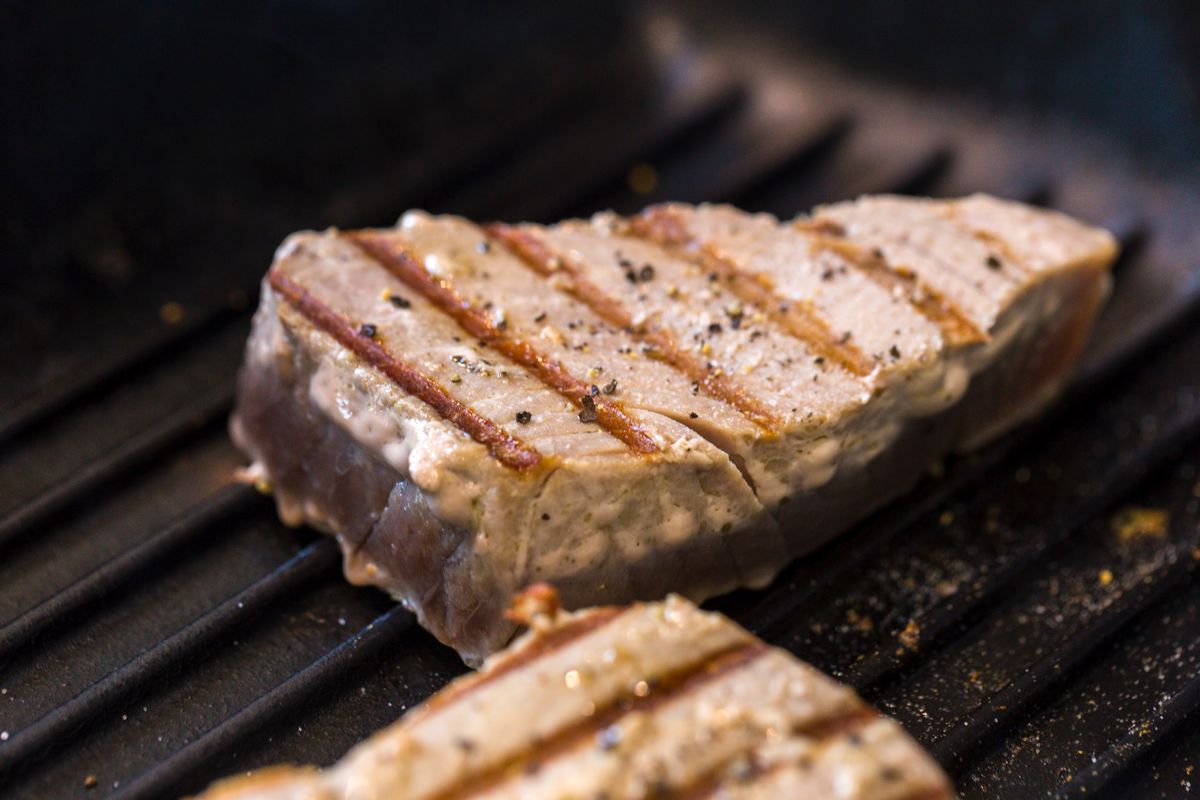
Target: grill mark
column 543, row 645
column 610, row 415
column 955, row 325
column 1010, row 258
column 538, row 754
column 824, row 731
column 508, row 450
column 801, row 319
column 709, row 783
column 541, row 258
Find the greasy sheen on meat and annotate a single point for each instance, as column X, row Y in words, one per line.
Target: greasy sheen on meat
column 657, row 700
column 679, row 401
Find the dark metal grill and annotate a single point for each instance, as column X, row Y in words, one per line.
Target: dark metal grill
column 159, row 628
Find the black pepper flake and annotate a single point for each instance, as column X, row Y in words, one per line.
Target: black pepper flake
column 647, row 273
column 484, row 247
column 854, row 740
column 624, row 262
column 714, row 328
column 588, row 411
column 712, row 277
column 545, row 517
column 524, row 417
column 891, row 774
column 845, row 337
column 399, row 302
column 611, row 386
column 608, row 739
column 827, row 274
column 594, row 390
column 368, row 330
column 631, row 276
column 877, row 253
column 540, row 317
column 993, row 262
column 819, row 360
column 693, row 415
column 895, row 351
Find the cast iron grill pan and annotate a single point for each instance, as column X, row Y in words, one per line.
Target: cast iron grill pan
column 159, row 628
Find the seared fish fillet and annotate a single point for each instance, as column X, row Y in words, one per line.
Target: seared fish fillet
column 659, row 700
column 680, row 401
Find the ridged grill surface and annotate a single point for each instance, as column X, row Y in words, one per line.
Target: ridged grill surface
column 160, row 628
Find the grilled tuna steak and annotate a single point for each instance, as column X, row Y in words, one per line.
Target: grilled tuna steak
column 655, row 700
column 679, row 401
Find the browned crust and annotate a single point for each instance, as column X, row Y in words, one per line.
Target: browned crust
column 543, row 644
column 956, row 326
column 610, row 416
column 506, row 449
column 663, row 226
column 670, row 689
column 541, row 258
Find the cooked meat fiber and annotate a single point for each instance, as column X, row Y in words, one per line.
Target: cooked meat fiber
column 679, row 401
column 657, row 700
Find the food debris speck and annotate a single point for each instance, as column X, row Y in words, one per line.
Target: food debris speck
column 171, row 313
column 1135, row 522
column 861, row 622
column 910, row 637
column 368, row 330
column 524, row 417
column 643, row 178
column 1105, row 577
column 90, row 782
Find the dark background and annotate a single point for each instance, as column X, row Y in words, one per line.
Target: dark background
column 142, row 138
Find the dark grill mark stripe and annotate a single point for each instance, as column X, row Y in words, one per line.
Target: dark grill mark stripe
column 826, row 732
column 715, row 779
column 801, row 319
column 955, row 325
column 387, row 251
column 542, row 259
column 672, row 688
column 506, row 449
column 543, row 645
column 1009, row 258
